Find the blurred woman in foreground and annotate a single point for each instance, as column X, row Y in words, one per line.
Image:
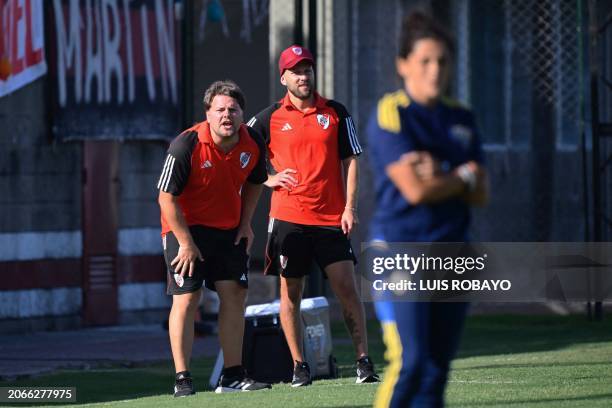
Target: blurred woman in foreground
column 428, row 170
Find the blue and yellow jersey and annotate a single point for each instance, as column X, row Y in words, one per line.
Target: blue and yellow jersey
column 448, row 132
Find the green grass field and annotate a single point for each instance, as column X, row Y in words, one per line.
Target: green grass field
column 505, row 361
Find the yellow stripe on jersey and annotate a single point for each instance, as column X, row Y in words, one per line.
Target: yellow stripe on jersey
column 388, row 114
column 393, row 355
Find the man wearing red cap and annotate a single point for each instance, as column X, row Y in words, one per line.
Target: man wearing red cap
column 314, row 173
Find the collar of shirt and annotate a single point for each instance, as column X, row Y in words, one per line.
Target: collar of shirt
column 434, row 109
column 320, row 103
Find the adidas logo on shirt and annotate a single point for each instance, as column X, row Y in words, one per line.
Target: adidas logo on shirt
column 207, row 164
column 243, row 277
column 286, row 127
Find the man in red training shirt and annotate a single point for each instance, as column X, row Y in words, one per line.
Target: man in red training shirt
column 208, row 189
column 313, row 149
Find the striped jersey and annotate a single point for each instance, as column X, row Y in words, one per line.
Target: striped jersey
column 207, row 180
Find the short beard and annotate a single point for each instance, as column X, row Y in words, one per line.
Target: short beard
column 301, row 96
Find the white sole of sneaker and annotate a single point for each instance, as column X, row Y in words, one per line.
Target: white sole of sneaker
column 182, row 396
column 301, row 385
column 222, row 390
column 366, row 380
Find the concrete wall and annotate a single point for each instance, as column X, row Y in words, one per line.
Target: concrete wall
column 40, row 208
column 40, row 180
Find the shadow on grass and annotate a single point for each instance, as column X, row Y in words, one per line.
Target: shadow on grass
column 117, row 384
column 531, row 365
column 598, row 397
column 484, row 335
column 507, row 334
column 491, row 335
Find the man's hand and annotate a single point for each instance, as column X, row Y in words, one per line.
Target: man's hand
column 349, row 220
column 185, row 259
column 245, row 231
column 282, row 179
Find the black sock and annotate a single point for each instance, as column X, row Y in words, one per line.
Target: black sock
column 234, row 371
column 183, row 374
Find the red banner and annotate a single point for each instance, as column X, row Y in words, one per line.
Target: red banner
column 22, row 43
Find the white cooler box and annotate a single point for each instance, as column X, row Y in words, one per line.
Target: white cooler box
column 265, row 352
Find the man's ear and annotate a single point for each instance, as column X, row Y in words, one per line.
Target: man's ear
column 282, row 80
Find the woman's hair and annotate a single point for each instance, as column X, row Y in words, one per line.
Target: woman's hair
column 417, row 26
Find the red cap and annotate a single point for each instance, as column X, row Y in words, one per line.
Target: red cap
column 291, row 56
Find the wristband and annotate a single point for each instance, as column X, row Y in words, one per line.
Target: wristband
column 468, row 176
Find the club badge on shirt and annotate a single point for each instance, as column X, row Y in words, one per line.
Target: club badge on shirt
column 462, row 134
column 323, row 120
column 245, row 157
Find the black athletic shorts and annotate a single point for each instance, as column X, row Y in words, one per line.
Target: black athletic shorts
column 222, row 260
column 291, row 248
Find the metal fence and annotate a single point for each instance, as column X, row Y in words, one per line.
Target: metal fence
column 521, row 65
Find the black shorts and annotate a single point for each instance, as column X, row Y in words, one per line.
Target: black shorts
column 291, row 248
column 222, row 260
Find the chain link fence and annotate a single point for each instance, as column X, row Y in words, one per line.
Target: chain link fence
column 550, row 28
column 519, row 65
column 546, row 35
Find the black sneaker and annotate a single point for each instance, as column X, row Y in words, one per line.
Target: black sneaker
column 239, row 384
column 365, row 371
column 301, row 374
column 183, row 385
